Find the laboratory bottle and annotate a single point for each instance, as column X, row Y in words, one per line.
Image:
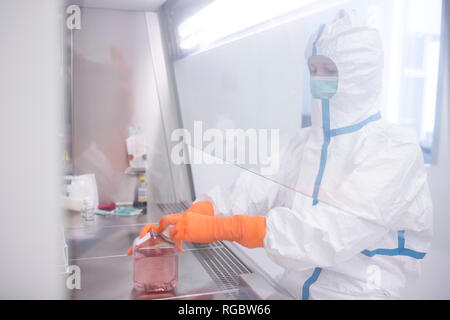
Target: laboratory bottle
column 155, row 263
column 141, row 195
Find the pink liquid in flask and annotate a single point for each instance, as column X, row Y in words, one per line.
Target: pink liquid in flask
column 155, row 263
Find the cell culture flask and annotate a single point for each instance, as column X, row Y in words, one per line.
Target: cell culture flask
column 155, row 260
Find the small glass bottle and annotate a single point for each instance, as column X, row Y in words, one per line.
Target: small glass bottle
column 87, row 211
column 155, row 260
column 141, row 195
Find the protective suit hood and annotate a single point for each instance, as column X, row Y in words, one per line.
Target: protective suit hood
column 358, row 55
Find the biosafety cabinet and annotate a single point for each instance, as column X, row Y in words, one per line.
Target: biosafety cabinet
column 216, row 88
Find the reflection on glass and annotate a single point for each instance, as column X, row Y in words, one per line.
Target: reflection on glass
column 104, row 107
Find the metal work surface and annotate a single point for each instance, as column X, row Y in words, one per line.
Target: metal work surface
column 205, row 271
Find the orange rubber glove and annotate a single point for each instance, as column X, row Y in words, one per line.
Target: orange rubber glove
column 192, row 227
column 200, row 207
column 144, row 231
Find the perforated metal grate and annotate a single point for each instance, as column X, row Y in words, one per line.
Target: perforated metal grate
column 168, row 208
column 223, row 267
column 220, row 263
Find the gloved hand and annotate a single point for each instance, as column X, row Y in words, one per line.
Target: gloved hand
column 192, row 227
column 200, row 207
column 144, row 231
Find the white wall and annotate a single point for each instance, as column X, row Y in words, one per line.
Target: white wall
column 31, row 86
column 435, row 280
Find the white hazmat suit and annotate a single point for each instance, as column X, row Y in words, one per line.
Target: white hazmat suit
column 350, row 216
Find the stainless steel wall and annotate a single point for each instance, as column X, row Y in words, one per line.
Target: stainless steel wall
column 115, row 85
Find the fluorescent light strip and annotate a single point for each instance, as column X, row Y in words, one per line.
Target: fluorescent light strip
column 225, row 17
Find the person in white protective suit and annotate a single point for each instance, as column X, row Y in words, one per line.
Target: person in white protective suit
column 351, row 214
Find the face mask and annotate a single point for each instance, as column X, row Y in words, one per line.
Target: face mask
column 324, row 87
